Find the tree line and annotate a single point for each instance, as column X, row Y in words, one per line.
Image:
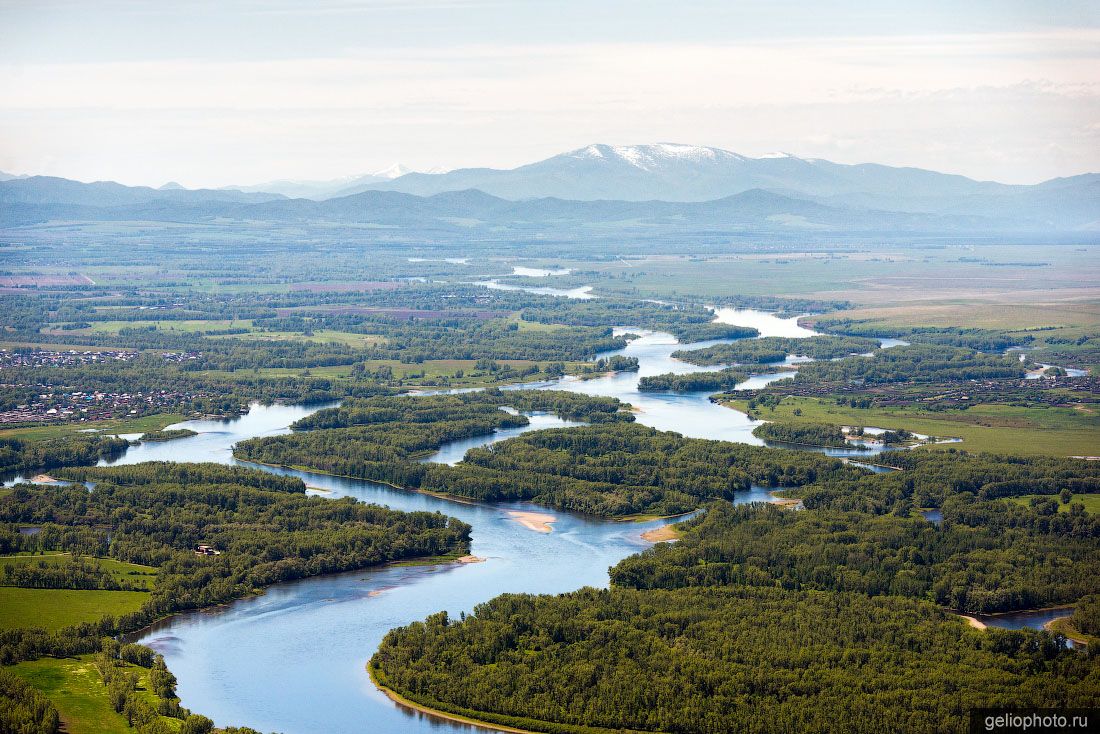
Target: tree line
column 776, row 349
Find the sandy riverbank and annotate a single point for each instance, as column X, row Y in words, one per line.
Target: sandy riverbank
column 537, row 521
column 974, row 622
column 784, row 501
column 662, row 534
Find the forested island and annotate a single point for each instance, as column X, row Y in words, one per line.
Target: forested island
column 807, row 434
column 776, row 349
column 613, row 469
column 693, row 382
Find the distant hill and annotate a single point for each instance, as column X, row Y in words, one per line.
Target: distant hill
column 683, row 173
column 51, row 190
column 868, row 200
column 471, row 211
column 325, row 189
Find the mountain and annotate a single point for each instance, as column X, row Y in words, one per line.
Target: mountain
column 62, row 191
column 754, row 210
column 676, row 172
column 475, row 213
column 4, row 176
column 869, row 200
column 326, row 189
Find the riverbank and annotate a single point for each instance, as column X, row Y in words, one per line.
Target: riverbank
column 408, row 703
column 636, row 518
column 662, row 534
column 974, row 622
column 436, row 713
column 785, row 502
column 1064, row 626
column 1059, row 624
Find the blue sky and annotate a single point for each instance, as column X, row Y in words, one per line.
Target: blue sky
column 239, row 91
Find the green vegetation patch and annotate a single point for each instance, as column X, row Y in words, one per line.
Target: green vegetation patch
column 1091, row 502
column 1002, row 429
column 52, row 609
column 75, row 688
column 143, row 424
column 63, row 570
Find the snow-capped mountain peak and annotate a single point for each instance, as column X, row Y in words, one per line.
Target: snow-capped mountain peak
column 653, row 156
column 392, row 172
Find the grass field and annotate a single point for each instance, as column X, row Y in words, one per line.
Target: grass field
column 53, row 609
column 76, row 689
column 191, row 326
column 1012, row 317
column 120, row 570
column 1090, row 501
column 130, row 425
column 320, row 336
column 427, row 373
column 995, row 428
column 880, row 275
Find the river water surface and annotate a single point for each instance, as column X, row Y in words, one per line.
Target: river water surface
column 293, row 660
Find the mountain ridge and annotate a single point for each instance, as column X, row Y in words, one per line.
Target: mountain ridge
column 606, row 187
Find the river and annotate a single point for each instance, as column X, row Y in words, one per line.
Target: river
column 293, row 660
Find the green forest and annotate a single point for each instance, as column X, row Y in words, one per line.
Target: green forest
column 264, row 527
column 806, row 434
column 776, row 349
column 682, row 646
column 611, row 469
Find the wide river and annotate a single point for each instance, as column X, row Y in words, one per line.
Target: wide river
column 293, row 659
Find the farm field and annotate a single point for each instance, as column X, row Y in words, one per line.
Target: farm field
column 995, row 428
column 53, row 609
column 141, row 424
column 119, row 570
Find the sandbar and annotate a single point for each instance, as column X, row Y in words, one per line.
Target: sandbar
column 661, row 534
column 469, row 559
column 537, row 521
